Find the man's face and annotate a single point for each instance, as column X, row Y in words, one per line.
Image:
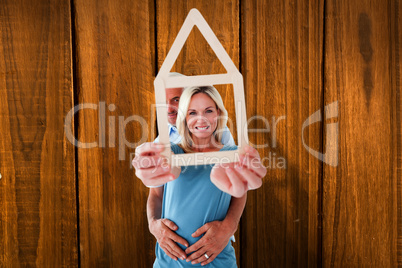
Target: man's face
column 172, row 99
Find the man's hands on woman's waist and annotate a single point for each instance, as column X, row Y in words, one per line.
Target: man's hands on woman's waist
column 164, row 232
column 216, row 237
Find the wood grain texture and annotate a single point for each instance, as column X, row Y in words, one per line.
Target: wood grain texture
column 289, row 73
column 37, row 188
column 395, row 211
column 115, row 70
column 281, row 59
column 362, row 195
column 196, row 57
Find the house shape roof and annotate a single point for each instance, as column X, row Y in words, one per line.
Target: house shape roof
column 233, row 76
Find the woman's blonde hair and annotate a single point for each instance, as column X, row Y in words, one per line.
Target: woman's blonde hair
column 181, row 124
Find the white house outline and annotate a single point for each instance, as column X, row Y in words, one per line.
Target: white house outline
column 233, row 76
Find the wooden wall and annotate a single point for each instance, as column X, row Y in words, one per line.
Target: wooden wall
column 38, row 222
column 362, row 196
column 69, row 204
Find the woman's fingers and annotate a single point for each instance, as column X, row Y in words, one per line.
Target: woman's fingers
column 227, row 180
column 150, row 166
column 251, row 151
column 148, row 155
column 239, row 186
column 148, row 161
column 253, row 163
column 220, row 179
column 253, row 181
column 149, row 148
column 237, row 178
column 158, row 181
column 149, row 173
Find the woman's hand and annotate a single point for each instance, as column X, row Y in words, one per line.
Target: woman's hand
column 163, row 230
column 216, row 238
column 237, row 178
column 151, row 167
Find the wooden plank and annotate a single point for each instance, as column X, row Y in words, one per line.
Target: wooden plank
column 115, row 69
column 362, row 195
column 281, row 59
column 196, row 57
column 395, row 211
column 37, row 188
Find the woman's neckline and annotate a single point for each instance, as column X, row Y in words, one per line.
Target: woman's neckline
column 223, row 146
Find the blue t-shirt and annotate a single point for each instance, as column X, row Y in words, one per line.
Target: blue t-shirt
column 191, row 201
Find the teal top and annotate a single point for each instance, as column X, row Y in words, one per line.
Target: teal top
column 190, row 201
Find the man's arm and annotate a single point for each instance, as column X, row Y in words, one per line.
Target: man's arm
column 163, row 229
column 235, row 211
column 154, row 204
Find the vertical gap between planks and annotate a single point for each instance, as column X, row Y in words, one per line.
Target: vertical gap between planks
column 76, row 121
column 156, row 54
column 240, row 228
column 321, row 181
column 156, row 37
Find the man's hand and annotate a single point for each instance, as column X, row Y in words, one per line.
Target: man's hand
column 217, row 236
column 163, row 230
column 237, row 178
column 150, row 166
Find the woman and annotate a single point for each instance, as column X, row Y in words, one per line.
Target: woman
column 190, row 205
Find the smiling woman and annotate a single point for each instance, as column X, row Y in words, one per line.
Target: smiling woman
column 201, row 120
column 194, row 212
column 183, row 210
column 192, row 205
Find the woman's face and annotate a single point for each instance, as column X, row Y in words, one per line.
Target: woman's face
column 202, row 116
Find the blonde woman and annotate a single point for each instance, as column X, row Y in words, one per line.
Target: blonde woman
column 192, row 219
